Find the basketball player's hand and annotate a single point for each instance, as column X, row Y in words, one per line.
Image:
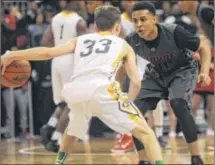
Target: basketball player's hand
column 5, row 61
column 204, row 79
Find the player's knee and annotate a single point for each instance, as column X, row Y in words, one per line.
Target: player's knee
column 181, row 110
column 179, row 106
column 142, row 130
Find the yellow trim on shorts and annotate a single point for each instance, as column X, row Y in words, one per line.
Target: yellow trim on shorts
column 116, row 93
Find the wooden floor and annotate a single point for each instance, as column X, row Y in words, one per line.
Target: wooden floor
column 95, row 152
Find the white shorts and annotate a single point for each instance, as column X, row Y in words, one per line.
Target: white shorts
column 61, row 71
column 106, row 102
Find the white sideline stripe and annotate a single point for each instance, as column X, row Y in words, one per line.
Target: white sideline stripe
column 30, row 151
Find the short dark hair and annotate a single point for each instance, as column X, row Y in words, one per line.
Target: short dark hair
column 144, row 6
column 106, row 17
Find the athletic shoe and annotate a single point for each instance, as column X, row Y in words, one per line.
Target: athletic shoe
column 46, row 133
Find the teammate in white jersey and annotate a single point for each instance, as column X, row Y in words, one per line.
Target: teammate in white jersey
column 65, row 26
column 92, row 89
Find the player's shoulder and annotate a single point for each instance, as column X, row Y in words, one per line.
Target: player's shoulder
column 63, row 14
column 169, row 29
column 132, row 38
column 167, row 26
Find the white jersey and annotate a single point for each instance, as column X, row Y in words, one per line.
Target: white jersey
column 64, row 29
column 91, row 92
column 64, row 26
column 127, row 25
column 97, row 54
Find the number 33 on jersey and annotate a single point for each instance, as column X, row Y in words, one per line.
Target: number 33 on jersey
column 100, row 51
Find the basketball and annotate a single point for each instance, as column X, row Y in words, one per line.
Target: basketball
column 16, row 74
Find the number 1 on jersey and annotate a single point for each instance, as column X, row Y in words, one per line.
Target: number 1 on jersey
column 61, row 32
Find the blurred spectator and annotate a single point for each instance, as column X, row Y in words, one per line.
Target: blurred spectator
column 32, row 13
column 10, row 19
column 37, row 30
column 91, row 6
column 51, row 4
column 48, row 16
column 6, row 35
column 184, row 21
column 166, row 6
column 20, row 38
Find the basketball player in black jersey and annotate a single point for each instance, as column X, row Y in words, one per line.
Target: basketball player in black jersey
column 172, row 71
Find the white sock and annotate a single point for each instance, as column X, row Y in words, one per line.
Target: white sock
column 53, row 121
column 56, row 135
column 158, row 131
column 59, row 140
column 209, row 132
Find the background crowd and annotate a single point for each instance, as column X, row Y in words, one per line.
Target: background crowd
column 23, row 24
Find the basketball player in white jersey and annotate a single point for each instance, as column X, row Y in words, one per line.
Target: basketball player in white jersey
column 125, row 142
column 65, row 26
column 92, row 89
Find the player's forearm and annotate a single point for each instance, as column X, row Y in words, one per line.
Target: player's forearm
column 205, row 60
column 121, row 75
column 134, row 89
column 40, row 53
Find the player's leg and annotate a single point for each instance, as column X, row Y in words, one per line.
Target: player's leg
column 155, row 121
column 125, row 142
column 180, row 93
column 77, row 128
column 21, row 98
column 172, row 120
column 210, row 130
column 54, row 143
column 158, row 120
column 124, row 117
column 47, row 130
column 150, row 94
column 210, row 107
column 196, row 100
column 145, row 134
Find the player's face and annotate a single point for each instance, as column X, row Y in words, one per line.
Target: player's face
column 144, row 23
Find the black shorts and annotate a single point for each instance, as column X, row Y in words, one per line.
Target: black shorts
column 179, row 84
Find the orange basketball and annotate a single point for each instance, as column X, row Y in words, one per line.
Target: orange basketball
column 16, row 74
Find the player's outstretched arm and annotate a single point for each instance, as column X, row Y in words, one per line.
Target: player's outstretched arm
column 38, row 53
column 132, row 72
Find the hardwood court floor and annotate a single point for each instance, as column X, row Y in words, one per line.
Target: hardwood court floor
column 95, row 152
